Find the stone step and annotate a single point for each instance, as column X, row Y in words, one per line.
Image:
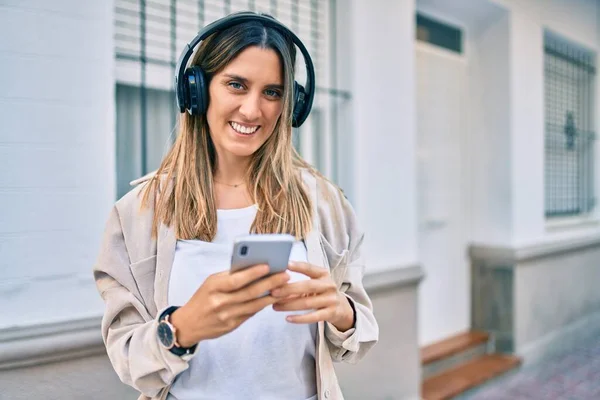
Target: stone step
column 453, row 351
column 452, row 345
column 466, row 376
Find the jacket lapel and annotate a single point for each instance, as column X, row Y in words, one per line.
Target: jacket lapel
column 316, row 256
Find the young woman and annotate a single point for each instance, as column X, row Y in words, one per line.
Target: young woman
column 177, row 324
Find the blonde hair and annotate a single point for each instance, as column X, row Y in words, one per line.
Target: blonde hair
column 187, row 200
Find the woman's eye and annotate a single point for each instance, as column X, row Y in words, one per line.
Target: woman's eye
column 273, row 93
column 236, row 85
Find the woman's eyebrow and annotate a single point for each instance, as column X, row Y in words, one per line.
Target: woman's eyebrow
column 237, row 78
column 275, row 86
column 245, row 81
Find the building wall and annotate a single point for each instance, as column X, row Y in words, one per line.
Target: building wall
column 391, row 370
column 57, row 155
column 539, row 300
column 505, row 57
column 508, row 196
column 554, row 293
column 58, row 179
column 62, row 184
column 90, row 378
column 575, row 20
column 482, row 145
column 531, row 287
column 383, row 89
column 489, row 141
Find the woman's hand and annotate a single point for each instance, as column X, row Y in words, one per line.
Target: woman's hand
column 319, row 293
column 223, row 302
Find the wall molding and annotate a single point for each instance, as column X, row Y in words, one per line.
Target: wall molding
column 499, row 299
column 393, row 278
column 511, row 256
column 44, row 343
column 23, row 346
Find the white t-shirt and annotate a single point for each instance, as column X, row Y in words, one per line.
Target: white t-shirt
column 264, row 358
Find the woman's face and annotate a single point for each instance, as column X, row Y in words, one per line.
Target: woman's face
column 245, row 102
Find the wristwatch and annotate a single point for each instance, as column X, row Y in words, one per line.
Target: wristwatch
column 167, row 334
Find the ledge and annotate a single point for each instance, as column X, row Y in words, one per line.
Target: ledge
column 46, row 343
column 395, row 277
column 512, row 255
column 27, row 346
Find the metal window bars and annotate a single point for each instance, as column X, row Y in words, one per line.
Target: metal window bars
column 569, row 82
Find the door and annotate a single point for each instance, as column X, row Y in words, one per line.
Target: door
column 444, row 294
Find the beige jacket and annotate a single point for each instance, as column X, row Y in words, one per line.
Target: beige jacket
column 132, row 274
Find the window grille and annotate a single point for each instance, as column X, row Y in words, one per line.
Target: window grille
column 569, row 118
column 149, row 36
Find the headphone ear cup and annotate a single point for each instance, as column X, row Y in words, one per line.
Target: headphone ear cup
column 196, row 90
column 298, row 116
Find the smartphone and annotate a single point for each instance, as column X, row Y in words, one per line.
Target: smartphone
column 271, row 249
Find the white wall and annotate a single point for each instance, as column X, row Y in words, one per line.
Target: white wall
column 383, row 123
column 344, row 50
column 489, row 139
column 392, row 369
column 553, row 302
column 526, row 68
column 577, row 20
column 505, row 58
column 57, row 177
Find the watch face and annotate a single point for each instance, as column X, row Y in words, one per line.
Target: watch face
column 165, row 335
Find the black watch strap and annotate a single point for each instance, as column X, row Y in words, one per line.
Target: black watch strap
column 178, row 351
column 168, row 311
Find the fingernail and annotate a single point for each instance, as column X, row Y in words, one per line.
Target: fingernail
column 262, row 269
column 275, row 292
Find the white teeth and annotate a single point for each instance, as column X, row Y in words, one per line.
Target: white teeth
column 243, row 129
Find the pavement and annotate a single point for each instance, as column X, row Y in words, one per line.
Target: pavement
column 571, row 376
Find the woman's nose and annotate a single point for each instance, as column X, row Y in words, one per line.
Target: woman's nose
column 250, row 108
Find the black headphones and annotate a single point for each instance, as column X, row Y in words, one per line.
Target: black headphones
column 191, row 86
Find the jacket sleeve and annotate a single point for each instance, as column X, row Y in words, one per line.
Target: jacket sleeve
column 342, row 242
column 128, row 328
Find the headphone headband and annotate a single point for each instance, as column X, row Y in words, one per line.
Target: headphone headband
column 236, row 19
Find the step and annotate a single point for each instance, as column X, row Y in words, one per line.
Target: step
column 449, row 353
column 467, row 376
column 452, row 346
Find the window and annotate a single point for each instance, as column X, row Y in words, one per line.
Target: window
column 149, row 36
column 156, row 122
column 438, row 33
column 569, row 118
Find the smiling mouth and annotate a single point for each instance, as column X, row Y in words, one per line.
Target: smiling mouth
column 243, row 130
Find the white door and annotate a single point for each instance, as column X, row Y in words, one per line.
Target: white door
column 444, row 294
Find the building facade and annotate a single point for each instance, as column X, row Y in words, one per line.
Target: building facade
column 462, row 131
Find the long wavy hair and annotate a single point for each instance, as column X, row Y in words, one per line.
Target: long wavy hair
column 187, row 201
